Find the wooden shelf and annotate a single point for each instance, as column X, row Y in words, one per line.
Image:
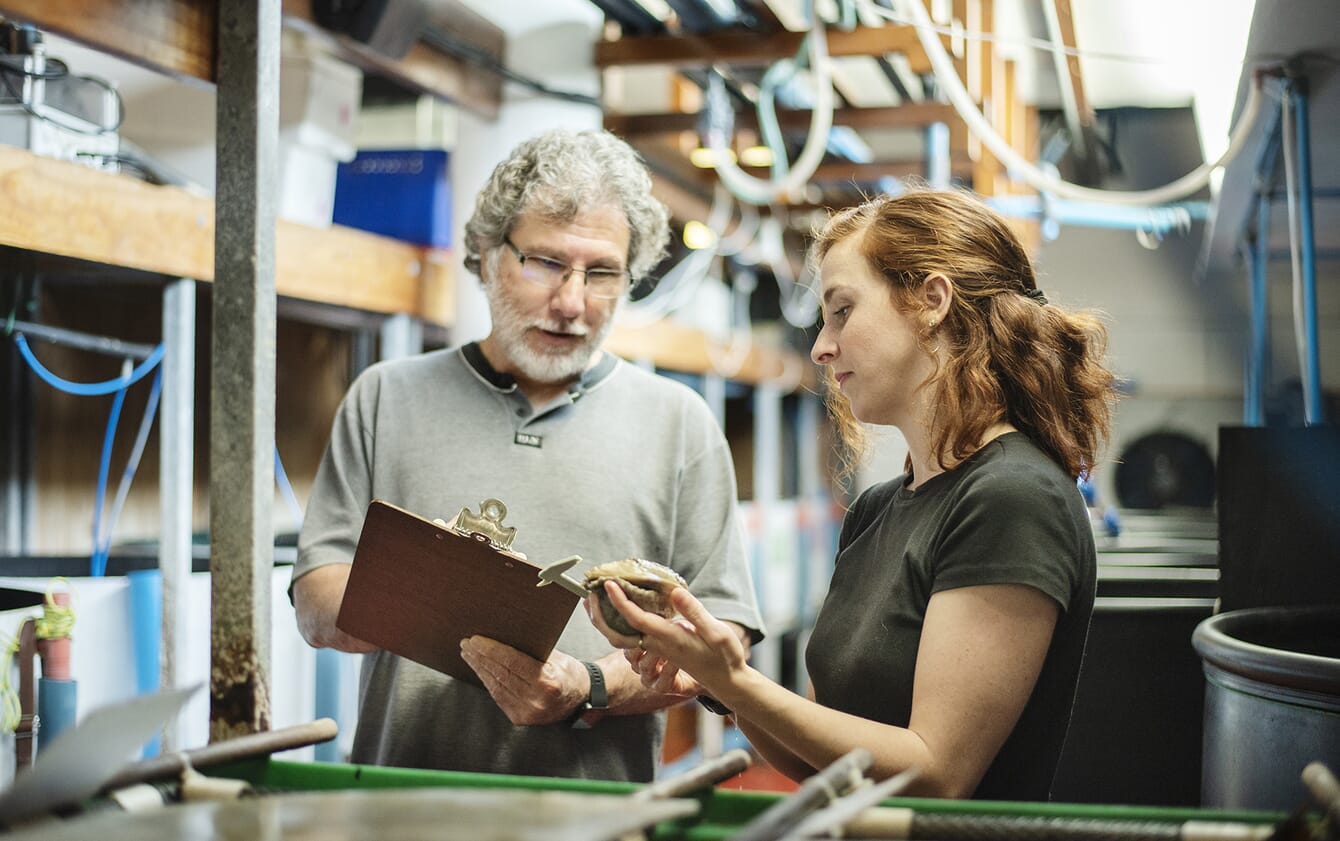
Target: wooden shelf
column 58, row 207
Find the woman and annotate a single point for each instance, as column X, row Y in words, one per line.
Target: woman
column 951, row 636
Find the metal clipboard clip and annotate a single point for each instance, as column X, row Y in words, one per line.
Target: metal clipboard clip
column 487, row 527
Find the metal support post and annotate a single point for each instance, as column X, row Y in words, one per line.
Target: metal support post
column 401, row 336
column 176, row 483
column 938, row 169
column 242, row 399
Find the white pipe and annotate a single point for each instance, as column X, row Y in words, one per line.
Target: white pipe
column 753, row 190
column 1029, row 172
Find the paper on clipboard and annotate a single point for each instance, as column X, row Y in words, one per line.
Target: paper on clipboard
column 417, row 588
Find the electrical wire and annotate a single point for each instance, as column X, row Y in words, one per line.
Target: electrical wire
column 102, row 546
column 449, row 43
column 753, row 190
column 1041, row 44
column 7, row 68
column 947, row 78
column 98, row 561
column 1295, row 236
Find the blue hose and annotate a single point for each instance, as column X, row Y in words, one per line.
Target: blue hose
column 98, row 563
column 87, row 389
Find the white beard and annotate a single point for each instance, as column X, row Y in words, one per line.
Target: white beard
column 510, row 328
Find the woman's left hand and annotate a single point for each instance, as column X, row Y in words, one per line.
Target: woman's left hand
column 696, row 642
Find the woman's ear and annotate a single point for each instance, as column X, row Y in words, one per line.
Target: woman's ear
column 937, row 293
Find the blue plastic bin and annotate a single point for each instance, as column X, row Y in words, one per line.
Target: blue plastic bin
column 400, row 193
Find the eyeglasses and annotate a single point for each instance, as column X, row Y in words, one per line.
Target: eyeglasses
column 551, row 274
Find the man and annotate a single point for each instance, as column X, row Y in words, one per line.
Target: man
column 592, row 456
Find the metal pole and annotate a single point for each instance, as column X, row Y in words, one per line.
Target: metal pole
column 401, row 336
column 84, row 341
column 242, row 399
column 1314, row 411
column 937, row 155
column 176, row 482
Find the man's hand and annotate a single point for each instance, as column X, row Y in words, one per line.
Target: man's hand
column 528, row 691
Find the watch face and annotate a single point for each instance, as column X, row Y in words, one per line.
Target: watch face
column 587, row 717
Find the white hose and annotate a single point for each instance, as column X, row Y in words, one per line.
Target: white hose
column 758, row 191
column 1017, row 165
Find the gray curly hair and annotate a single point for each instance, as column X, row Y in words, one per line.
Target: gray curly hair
column 559, row 174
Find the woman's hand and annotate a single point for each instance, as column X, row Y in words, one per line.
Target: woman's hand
column 696, row 643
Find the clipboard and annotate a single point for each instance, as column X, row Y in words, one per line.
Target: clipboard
column 417, row 588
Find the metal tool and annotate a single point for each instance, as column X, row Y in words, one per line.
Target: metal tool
column 820, row 789
column 832, row 818
column 556, row 573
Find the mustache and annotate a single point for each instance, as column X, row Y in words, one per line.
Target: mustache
column 570, row 328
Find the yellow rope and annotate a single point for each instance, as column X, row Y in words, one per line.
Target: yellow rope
column 56, row 622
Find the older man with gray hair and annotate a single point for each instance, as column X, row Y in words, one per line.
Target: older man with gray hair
column 593, row 456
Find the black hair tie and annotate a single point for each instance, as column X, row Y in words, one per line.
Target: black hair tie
column 1036, row 295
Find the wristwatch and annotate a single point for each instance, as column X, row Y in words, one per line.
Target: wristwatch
column 593, row 708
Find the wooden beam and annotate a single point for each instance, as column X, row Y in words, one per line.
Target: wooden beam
column 425, row 69
column 57, row 207
column 911, row 115
column 171, row 36
column 750, row 48
column 675, row 347
column 177, row 37
column 1065, row 19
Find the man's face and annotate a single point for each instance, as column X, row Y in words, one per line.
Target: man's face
column 548, row 336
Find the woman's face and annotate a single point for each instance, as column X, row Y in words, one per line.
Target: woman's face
column 871, row 346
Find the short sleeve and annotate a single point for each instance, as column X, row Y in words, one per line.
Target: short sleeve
column 1011, row 528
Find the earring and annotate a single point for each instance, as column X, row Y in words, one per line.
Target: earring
column 931, row 324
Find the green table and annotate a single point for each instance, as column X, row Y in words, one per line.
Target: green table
column 723, row 813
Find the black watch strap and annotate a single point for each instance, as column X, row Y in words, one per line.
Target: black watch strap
column 593, row 709
column 599, row 698
column 713, row 705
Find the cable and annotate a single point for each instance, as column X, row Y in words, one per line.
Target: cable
column 1017, row 165
column 448, row 43
column 1295, row 236
column 98, row 562
column 87, row 389
column 103, row 546
column 757, row 191
column 1041, row 44
column 7, row 68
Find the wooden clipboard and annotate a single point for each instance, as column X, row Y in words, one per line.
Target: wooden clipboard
column 417, row 588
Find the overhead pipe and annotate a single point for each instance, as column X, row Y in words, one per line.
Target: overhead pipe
column 1313, row 411
column 1258, row 354
column 1152, row 220
column 1018, row 166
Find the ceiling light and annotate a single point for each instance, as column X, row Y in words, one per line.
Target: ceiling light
column 704, row 157
column 698, row 236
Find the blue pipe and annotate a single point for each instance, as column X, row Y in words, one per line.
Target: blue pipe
column 1258, row 354
column 56, row 703
column 1313, row 410
column 146, row 623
